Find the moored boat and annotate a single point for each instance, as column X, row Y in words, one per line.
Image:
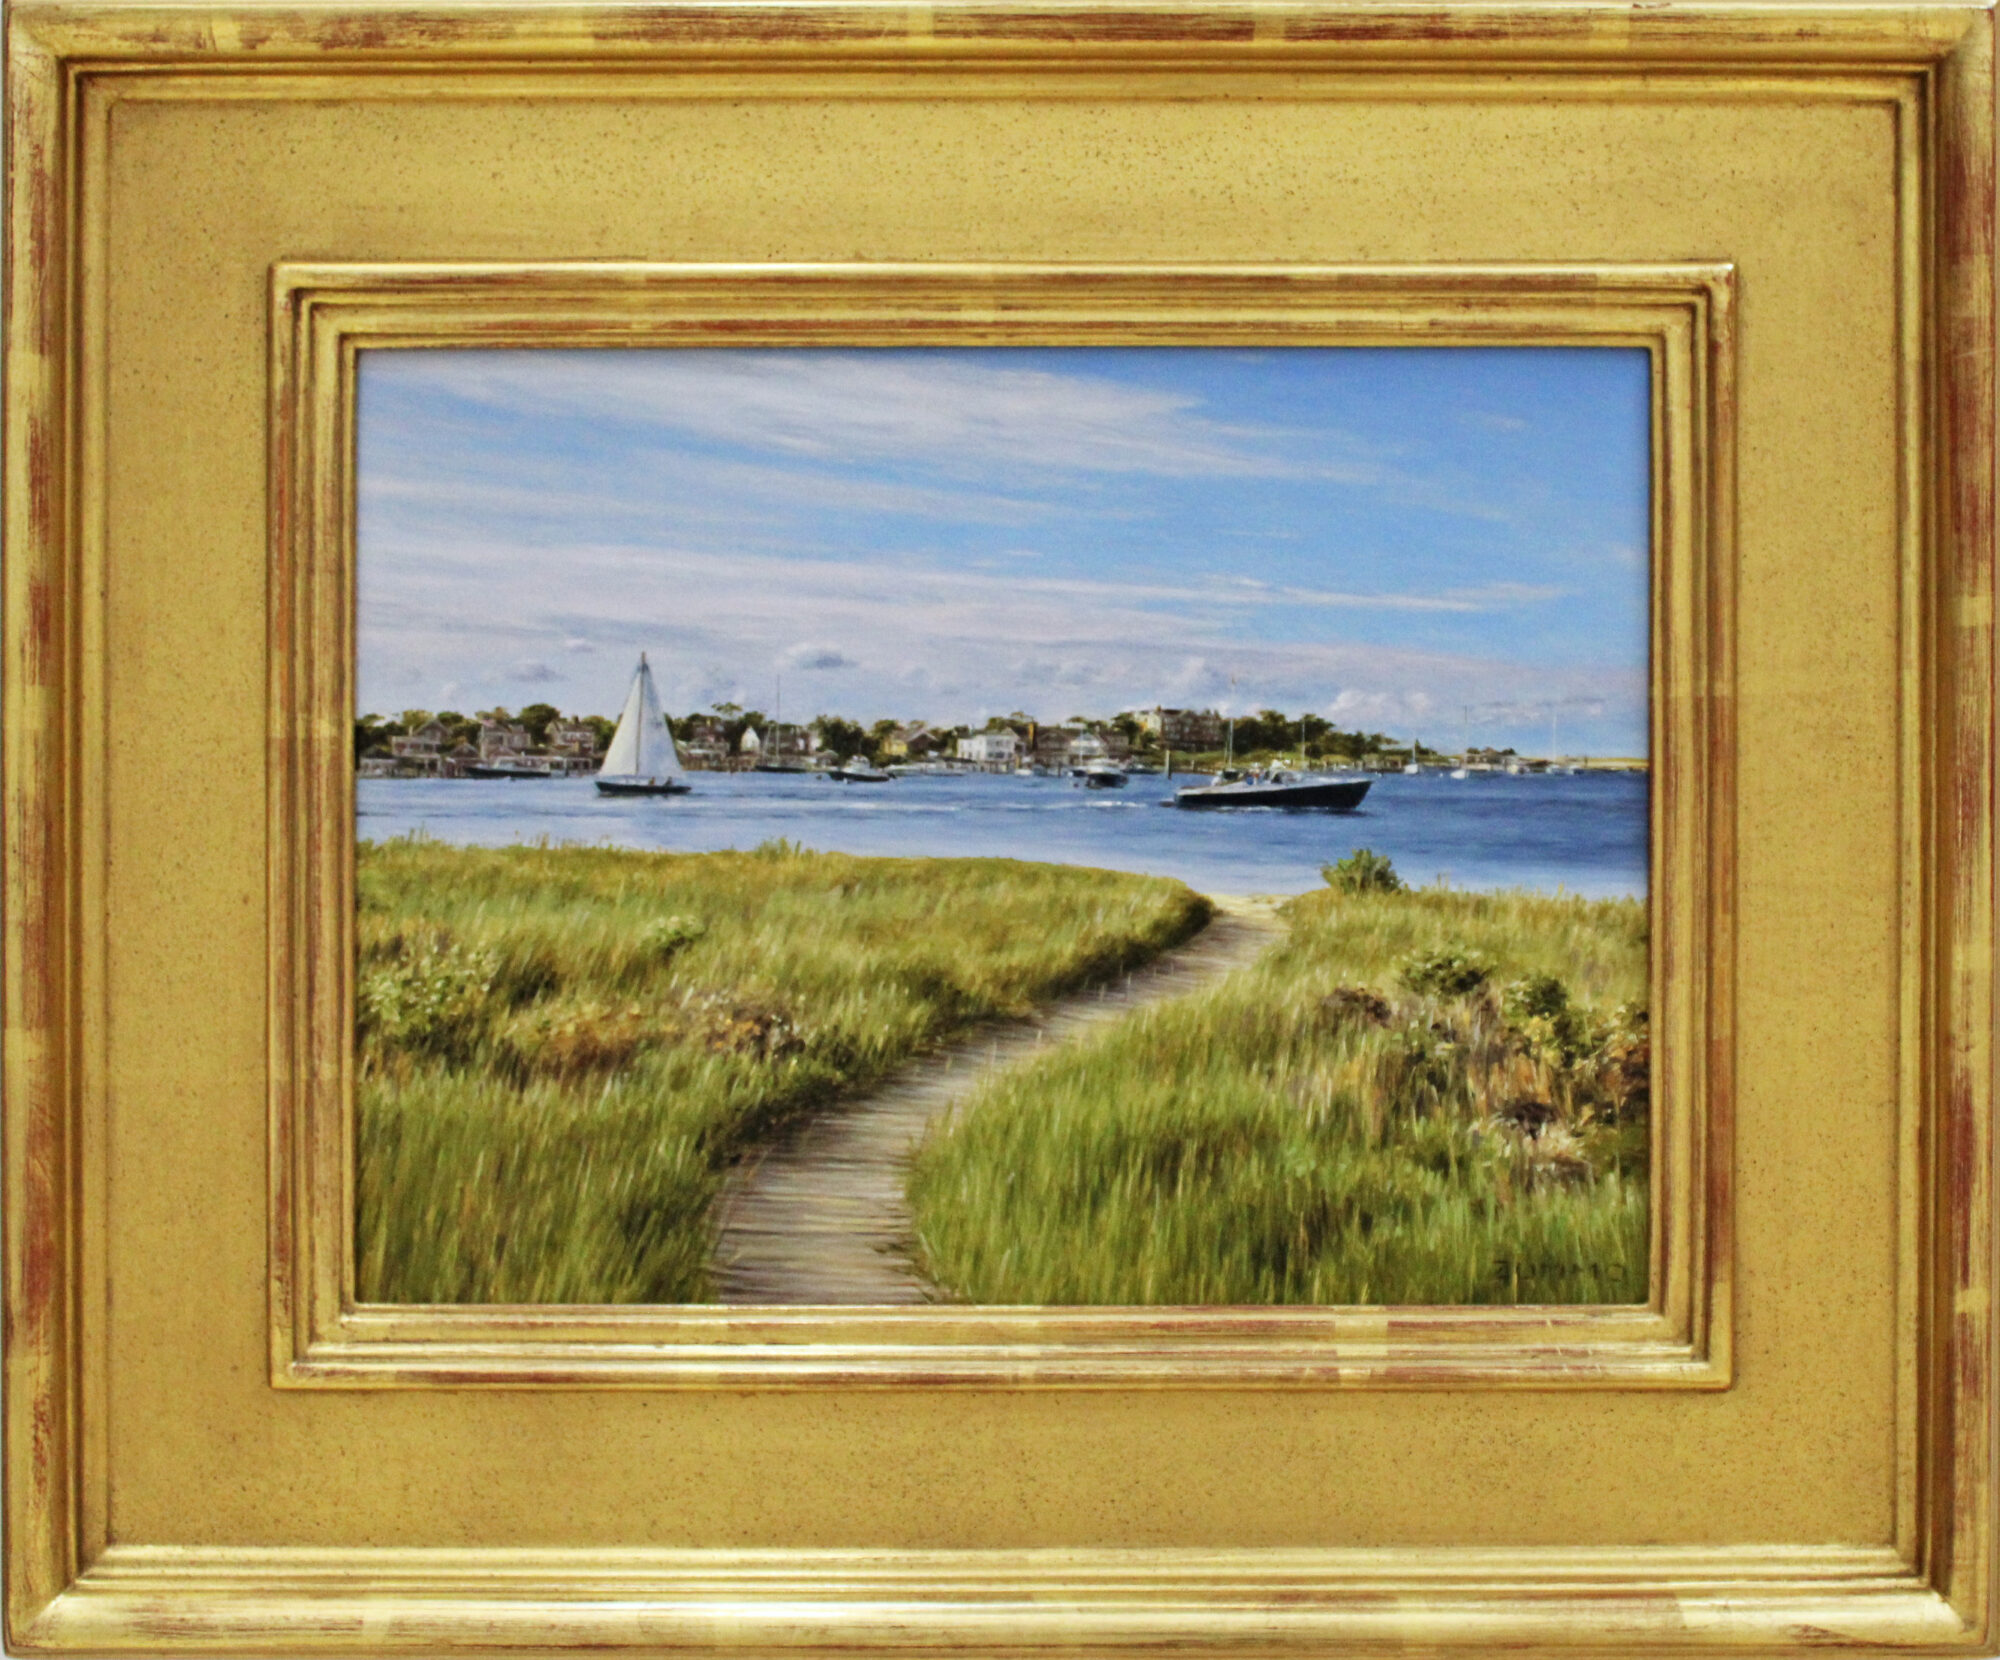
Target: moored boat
column 859, row 772
column 509, row 769
column 642, row 759
column 1102, row 775
column 1339, row 793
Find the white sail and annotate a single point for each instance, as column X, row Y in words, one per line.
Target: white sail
column 643, row 745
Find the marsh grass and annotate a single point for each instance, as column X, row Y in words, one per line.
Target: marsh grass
column 561, row 1048
column 1415, row 1097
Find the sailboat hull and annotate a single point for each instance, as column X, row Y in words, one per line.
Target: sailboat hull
column 640, row 786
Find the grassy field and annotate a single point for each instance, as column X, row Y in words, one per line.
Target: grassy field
column 1416, row 1097
column 561, row 1048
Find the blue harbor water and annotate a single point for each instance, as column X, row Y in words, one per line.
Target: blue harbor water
column 1584, row 833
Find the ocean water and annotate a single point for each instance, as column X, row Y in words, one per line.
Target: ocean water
column 1585, row 834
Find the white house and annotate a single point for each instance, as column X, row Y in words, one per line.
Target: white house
column 990, row 749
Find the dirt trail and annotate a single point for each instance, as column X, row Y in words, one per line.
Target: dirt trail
column 819, row 1215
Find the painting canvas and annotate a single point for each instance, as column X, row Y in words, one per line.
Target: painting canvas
column 1060, row 826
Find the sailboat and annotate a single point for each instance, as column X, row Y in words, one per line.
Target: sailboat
column 1556, row 763
column 771, row 757
column 642, row 759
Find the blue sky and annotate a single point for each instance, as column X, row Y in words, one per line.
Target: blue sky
column 1386, row 536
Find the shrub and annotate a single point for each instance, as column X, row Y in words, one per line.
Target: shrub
column 666, row 937
column 1452, row 972
column 559, row 1039
column 432, row 998
column 1539, row 996
column 1539, row 1011
column 1362, row 871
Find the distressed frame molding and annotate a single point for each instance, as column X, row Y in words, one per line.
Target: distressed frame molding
column 324, row 316
column 70, row 1588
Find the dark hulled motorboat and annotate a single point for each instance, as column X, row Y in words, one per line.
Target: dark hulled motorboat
column 507, row 769
column 1337, row 793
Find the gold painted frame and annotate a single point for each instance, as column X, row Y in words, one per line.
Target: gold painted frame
column 325, row 315
column 101, row 1556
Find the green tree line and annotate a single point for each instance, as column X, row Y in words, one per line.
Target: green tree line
column 1268, row 732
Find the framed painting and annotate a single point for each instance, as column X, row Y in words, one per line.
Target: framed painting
column 1109, row 827
column 850, row 1148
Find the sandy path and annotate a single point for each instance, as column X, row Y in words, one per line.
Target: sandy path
column 819, row 1216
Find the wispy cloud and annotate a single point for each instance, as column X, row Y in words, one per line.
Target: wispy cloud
column 728, row 627
column 843, row 406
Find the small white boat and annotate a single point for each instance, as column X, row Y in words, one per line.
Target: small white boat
column 642, row 759
column 1102, row 775
column 858, row 772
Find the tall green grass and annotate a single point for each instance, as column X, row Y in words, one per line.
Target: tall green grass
column 562, row 1048
column 1416, row 1097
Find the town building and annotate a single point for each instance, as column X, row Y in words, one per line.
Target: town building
column 1051, row 745
column 704, row 744
column 910, row 742
column 571, row 748
column 992, row 751
column 1188, row 729
column 503, row 740
column 418, row 754
column 572, row 737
